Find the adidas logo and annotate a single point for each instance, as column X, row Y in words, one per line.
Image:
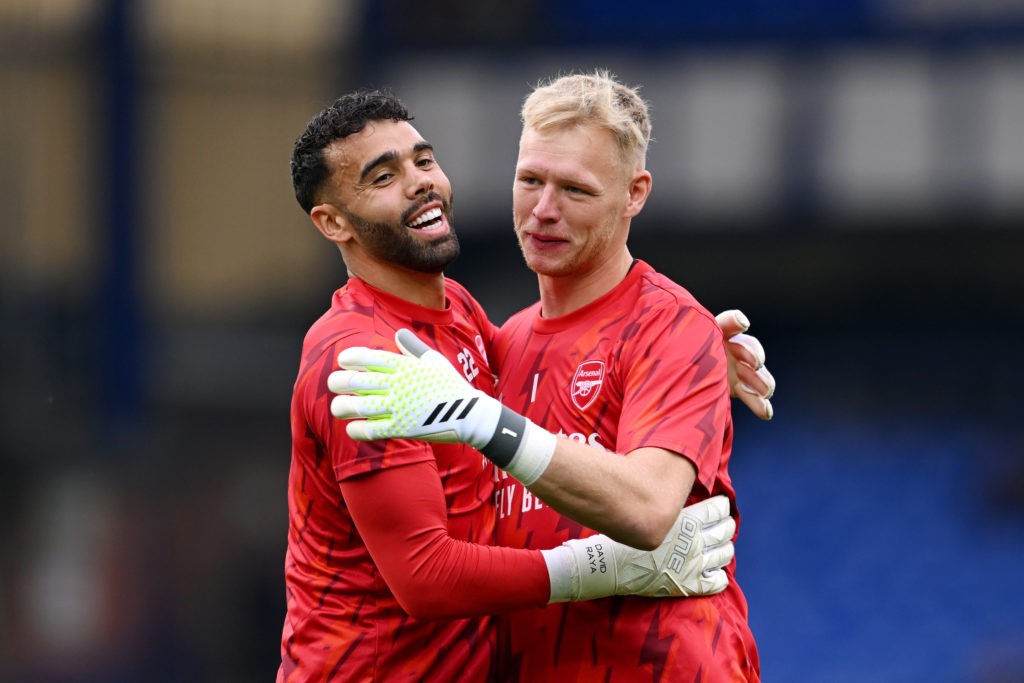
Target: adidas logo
column 440, row 407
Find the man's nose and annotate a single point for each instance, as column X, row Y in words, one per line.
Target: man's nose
column 546, row 208
column 421, row 182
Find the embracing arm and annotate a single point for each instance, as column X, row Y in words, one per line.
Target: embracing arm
column 401, row 517
column 633, row 498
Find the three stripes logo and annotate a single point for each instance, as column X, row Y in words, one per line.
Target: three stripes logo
column 449, row 410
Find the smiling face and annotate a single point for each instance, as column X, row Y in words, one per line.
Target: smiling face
column 573, row 199
column 387, row 201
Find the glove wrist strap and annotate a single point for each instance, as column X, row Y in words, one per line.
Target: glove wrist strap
column 520, row 447
column 593, row 559
column 563, row 573
column 507, row 437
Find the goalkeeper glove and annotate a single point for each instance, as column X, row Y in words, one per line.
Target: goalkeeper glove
column 690, row 561
column 749, row 379
column 418, row 394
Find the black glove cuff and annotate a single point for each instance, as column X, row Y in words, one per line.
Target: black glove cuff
column 507, row 436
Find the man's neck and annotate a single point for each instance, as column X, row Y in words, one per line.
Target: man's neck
column 423, row 289
column 564, row 294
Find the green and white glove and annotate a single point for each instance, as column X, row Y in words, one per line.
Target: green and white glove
column 418, row 394
column 690, row 561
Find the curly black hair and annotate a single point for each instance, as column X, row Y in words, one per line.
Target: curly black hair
column 346, row 115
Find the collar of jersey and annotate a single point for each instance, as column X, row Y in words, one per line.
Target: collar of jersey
column 586, row 313
column 395, row 304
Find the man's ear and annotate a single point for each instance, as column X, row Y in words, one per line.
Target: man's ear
column 331, row 222
column 639, row 191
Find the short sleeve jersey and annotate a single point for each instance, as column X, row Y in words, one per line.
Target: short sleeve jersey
column 342, row 622
column 643, row 366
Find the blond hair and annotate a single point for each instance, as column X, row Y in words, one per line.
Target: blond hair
column 592, row 99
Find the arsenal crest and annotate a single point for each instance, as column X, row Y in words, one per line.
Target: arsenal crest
column 481, row 348
column 586, row 384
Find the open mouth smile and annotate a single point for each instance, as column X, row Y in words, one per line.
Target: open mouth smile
column 429, row 219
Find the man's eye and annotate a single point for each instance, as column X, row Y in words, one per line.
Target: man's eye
column 382, row 178
column 425, row 162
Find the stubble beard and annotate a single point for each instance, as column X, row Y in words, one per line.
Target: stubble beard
column 566, row 265
column 573, row 263
column 392, row 242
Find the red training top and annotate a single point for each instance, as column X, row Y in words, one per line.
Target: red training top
column 382, row 530
column 643, row 366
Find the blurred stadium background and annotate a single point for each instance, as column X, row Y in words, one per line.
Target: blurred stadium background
column 850, row 173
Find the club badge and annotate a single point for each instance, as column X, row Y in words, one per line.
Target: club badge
column 481, row 348
column 586, row 384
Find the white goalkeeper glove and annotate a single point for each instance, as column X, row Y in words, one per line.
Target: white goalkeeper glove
column 690, row 561
column 418, row 394
column 749, row 379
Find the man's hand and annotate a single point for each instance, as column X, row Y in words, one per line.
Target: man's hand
column 418, row 394
column 690, row 561
column 749, row 379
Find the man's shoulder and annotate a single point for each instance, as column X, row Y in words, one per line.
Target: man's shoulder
column 350, row 309
column 350, row 318
column 669, row 310
column 659, row 289
column 654, row 283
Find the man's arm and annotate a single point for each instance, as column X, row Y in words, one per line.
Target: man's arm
column 634, row 499
column 433, row 576
column 640, row 493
